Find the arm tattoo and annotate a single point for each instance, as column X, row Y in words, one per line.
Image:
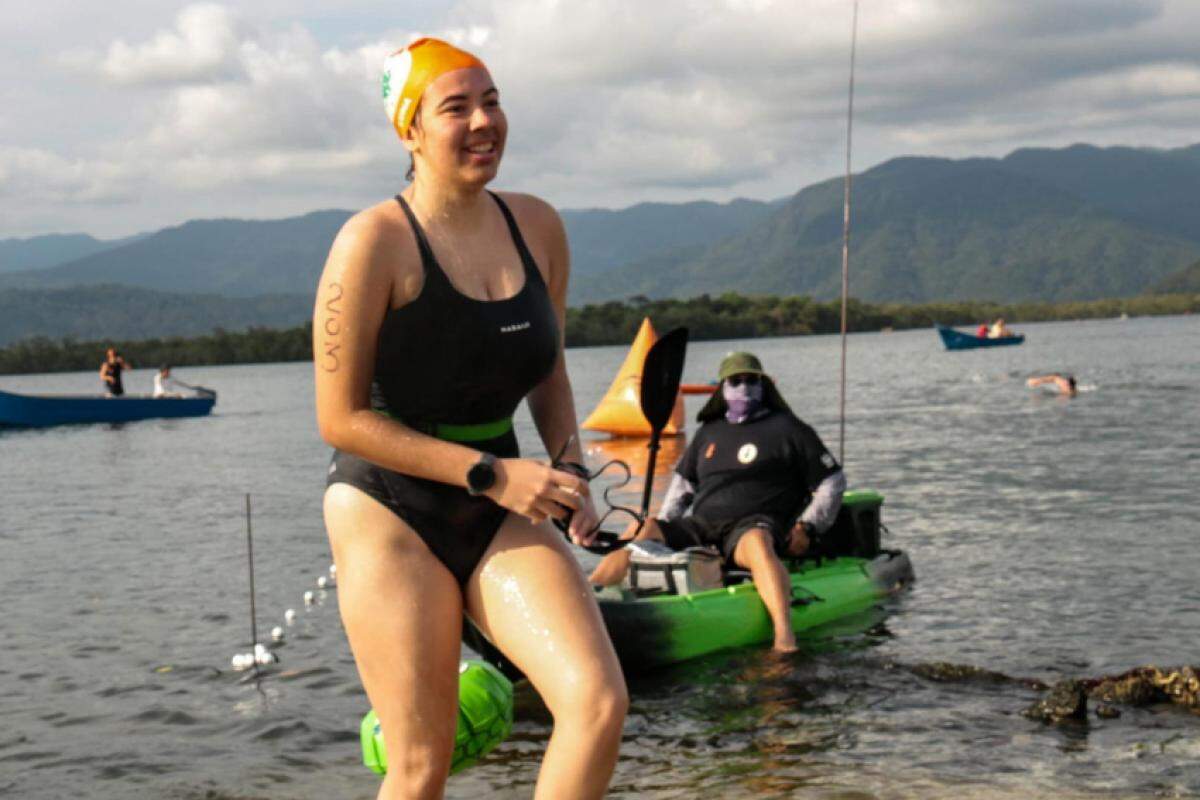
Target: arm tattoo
column 332, row 327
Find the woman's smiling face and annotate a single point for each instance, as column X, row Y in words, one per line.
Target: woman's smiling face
column 460, row 128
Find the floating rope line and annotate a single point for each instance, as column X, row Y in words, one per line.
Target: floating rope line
column 846, row 240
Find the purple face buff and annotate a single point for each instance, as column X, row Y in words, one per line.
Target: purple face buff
column 744, row 401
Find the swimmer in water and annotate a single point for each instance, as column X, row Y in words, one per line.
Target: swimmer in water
column 1064, row 383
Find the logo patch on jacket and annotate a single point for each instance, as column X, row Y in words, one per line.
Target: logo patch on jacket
column 710, row 450
column 747, row 453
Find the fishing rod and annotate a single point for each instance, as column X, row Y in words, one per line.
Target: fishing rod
column 846, row 239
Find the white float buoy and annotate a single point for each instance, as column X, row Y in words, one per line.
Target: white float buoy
column 264, row 657
column 308, row 598
column 289, row 616
column 333, row 571
column 277, row 634
column 322, row 582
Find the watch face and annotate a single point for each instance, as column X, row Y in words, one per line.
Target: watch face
column 481, row 477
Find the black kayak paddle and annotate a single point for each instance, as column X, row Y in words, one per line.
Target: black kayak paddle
column 661, row 373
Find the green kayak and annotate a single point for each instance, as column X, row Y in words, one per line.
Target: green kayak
column 652, row 627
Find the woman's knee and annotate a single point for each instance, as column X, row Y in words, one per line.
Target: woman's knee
column 600, row 708
column 755, row 545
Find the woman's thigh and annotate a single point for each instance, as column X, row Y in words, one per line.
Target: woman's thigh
column 402, row 610
column 531, row 599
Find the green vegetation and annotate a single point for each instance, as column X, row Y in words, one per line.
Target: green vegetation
column 254, row 346
column 733, row 316
column 729, row 316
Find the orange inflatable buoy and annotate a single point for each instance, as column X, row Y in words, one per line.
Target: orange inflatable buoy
column 620, row 412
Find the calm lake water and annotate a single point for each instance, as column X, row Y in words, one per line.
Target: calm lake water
column 1051, row 538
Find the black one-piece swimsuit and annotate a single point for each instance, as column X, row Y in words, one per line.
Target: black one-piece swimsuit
column 446, row 359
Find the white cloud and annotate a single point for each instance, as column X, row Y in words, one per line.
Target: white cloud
column 33, row 175
column 202, row 47
column 610, row 101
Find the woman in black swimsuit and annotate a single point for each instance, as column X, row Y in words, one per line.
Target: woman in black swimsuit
column 437, row 313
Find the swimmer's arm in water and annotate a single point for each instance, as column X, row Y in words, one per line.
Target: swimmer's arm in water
column 369, row 270
column 552, row 402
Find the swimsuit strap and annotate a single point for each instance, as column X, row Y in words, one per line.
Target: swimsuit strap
column 427, row 258
column 531, row 269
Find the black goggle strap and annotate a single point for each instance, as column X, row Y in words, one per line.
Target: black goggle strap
column 606, row 541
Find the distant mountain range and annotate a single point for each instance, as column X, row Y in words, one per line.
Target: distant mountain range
column 56, row 248
column 1186, row 281
column 1074, row 224
column 130, row 313
column 1039, row 224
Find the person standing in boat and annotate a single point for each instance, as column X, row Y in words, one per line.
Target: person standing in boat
column 110, row 372
column 755, row 482
column 438, row 312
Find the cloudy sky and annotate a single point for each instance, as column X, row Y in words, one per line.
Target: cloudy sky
column 130, row 115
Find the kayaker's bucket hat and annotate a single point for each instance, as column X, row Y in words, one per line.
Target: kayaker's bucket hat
column 741, row 363
column 408, row 72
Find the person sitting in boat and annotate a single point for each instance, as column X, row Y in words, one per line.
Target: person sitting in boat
column 1065, row 384
column 755, row 482
column 110, row 372
column 982, row 330
column 999, row 330
column 167, row 386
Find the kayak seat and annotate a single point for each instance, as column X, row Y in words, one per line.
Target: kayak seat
column 855, row 531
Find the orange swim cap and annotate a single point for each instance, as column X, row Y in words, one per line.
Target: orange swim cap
column 407, row 72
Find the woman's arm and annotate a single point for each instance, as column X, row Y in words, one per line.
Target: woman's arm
column 364, row 266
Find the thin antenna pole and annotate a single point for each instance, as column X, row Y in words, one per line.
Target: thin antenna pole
column 250, row 561
column 846, row 239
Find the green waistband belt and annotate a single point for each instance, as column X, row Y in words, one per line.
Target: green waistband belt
column 477, row 432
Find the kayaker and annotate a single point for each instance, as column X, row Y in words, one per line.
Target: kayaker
column 438, row 312
column 982, row 330
column 110, row 372
column 755, row 482
column 1064, row 383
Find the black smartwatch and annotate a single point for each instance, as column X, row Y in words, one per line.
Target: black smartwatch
column 482, row 475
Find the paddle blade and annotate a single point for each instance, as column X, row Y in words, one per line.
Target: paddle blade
column 661, row 373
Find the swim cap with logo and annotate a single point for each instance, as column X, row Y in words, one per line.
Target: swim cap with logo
column 407, row 73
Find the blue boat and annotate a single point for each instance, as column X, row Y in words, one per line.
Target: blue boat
column 957, row 340
column 40, row 411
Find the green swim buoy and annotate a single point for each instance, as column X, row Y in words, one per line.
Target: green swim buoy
column 485, row 715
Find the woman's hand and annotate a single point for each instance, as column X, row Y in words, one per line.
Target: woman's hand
column 584, row 523
column 537, row 492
